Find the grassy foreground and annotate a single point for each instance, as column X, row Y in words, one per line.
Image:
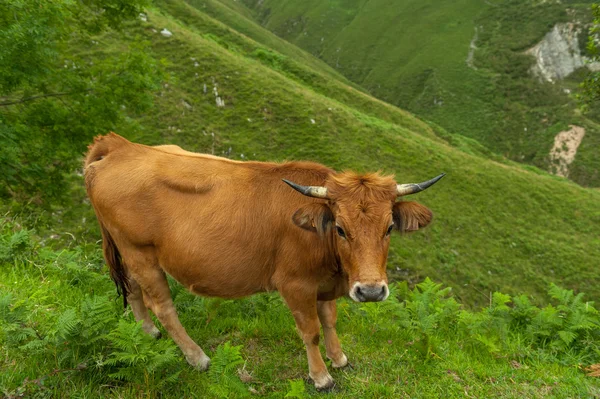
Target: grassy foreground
column 63, row 334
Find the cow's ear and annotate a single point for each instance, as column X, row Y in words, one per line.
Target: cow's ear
column 410, row 216
column 314, row 217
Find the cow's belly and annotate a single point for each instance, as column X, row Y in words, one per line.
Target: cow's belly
column 234, row 287
column 218, row 270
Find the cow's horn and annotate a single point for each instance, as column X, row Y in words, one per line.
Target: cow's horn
column 310, row 191
column 413, row 188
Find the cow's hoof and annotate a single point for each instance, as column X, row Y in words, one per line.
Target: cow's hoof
column 155, row 333
column 341, row 362
column 200, row 363
column 324, row 383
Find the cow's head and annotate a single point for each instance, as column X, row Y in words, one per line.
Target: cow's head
column 360, row 213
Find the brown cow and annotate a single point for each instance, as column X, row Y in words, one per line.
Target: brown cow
column 229, row 229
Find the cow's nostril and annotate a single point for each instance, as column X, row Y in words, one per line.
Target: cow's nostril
column 359, row 294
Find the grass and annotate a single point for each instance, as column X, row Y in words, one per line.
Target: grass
column 413, row 54
column 427, row 346
column 499, row 226
column 490, row 244
column 257, row 43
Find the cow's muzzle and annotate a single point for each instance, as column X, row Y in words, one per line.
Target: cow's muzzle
column 369, row 292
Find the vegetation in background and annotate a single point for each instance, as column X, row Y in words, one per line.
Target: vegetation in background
column 460, row 64
column 54, row 100
column 591, row 86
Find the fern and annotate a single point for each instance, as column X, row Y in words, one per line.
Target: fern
column 35, row 346
column 567, row 327
column 391, row 309
column 8, row 315
column 565, row 297
column 13, row 322
column 99, row 317
column 141, row 359
column 522, row 312
column 490, row 343
column 428, row 307
column 222, row 372
column 488, row 329
column 17, row 246
column 68, row 324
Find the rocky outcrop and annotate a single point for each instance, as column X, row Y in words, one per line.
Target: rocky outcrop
column 558, row 54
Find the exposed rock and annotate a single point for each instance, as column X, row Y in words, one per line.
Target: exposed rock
column 166, row 33
column 558, row 54
column 472, row 48
column 564, row 150
column 143, row 17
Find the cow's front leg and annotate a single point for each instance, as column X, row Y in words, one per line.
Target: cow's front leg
column 303, row 305
column 328, row 315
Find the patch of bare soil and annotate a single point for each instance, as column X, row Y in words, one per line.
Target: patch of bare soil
column 564, row 150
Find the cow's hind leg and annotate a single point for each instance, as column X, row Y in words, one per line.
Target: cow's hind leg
column 304, row 309
column 140, row 311
column 147, row 273
column 328, row 315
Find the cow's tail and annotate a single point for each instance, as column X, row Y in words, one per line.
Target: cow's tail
column 100, row 148
column 115, row 264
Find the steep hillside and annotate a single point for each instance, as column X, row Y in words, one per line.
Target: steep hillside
column 498, row 226
column 463, row 65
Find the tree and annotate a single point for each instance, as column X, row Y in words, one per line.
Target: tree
column 591, row 86
column 60, row 86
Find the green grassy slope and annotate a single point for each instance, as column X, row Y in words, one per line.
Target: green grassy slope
column 499, row 226
column 214, row 19
column 234, row 15
column 413, row 54
column 279, row 55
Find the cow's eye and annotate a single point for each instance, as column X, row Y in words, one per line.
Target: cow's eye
column 340, row 231
column 389, row 230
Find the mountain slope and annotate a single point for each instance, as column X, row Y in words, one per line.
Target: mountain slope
column 498, row 226
column 461, row 65
column 279, row 55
